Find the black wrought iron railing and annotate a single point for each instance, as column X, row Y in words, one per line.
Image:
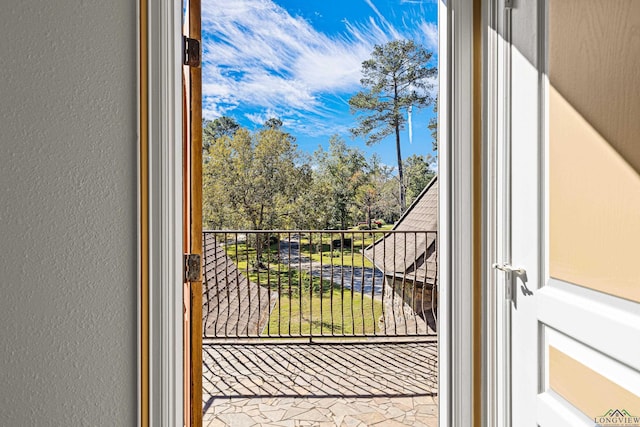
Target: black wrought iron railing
column 310, row 283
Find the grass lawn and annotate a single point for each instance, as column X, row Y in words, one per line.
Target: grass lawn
column 312, row 249
column 307, row 304
column 345, row 256
column 299, row 316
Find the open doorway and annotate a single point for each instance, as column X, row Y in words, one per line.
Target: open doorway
column 320, row 209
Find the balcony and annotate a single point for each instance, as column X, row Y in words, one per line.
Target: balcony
column 307, row 327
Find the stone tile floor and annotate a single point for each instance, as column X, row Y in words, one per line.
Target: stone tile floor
column 328, row 384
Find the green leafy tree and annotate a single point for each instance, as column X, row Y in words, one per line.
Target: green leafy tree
column 313, row 203
column 219, row 207
column 370, row 197
column 273, row 123
column 433, row 126
column 250, row 180
column 418, row 174
column 341, row 171
column 390, row 201
column 217, row 128
column 397, row 76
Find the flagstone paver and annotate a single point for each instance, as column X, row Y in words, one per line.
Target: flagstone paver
column 344, row 385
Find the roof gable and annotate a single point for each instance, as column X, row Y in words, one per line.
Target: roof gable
column 411, row 254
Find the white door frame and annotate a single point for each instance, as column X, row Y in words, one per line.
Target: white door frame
column 164, row 177
column 456, row 233
column 165, row 216
column 497, row 306
column 496, row 309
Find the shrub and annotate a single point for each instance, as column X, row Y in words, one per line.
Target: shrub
column 273, row 239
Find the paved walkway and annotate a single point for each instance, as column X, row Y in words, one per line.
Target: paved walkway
column 351, row 277
column 362, row 384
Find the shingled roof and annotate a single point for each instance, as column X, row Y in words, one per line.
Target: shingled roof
column 232, row 305
column 408, row 260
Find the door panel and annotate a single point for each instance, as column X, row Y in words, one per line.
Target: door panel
column 192, row 210
column 588, row 379
column 575, row 211
column 594, row 202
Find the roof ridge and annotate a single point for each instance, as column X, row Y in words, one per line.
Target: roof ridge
column 415, row 201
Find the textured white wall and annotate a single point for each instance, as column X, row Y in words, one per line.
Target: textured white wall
column 68, row 213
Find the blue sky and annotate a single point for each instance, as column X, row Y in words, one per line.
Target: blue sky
column 300, row 60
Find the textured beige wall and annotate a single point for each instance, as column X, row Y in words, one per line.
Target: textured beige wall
column 68, row 213
column 594, row 142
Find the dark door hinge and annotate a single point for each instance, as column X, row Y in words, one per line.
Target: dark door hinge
column 190, row 52
column 192, row 268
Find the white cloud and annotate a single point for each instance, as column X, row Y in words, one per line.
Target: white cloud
column 257, row 54
column 430, row 35
column 418, row 1
column 386, row 24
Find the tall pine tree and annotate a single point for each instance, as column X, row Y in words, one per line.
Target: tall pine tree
column 396, row 77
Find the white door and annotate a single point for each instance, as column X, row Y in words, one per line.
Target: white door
column 571, row 149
